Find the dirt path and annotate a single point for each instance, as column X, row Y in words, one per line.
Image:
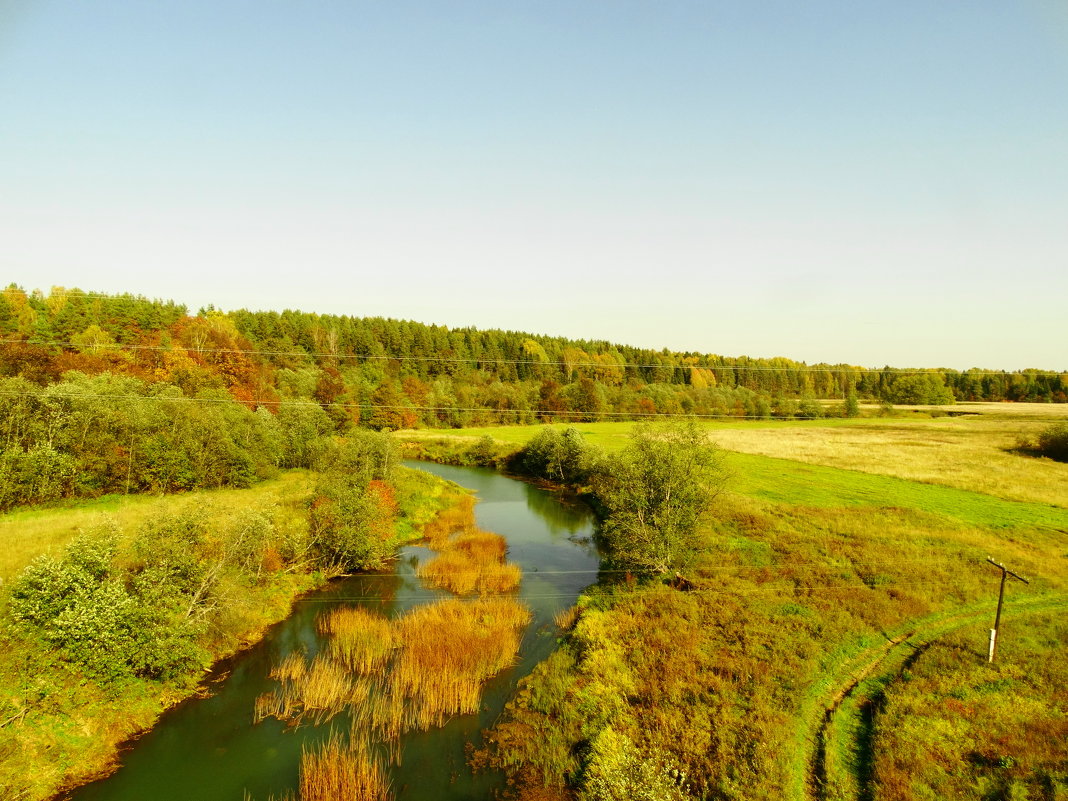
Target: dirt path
column 887, row 660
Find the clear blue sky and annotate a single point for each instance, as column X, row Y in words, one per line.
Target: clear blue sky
column 868, row 182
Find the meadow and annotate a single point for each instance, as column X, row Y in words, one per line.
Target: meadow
column 820, row 586
column 31, row 532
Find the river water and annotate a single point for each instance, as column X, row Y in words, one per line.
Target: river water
column 208, row 749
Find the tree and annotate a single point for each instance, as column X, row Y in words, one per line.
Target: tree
column 654, row 493
column 557, row 456
column 851, row 407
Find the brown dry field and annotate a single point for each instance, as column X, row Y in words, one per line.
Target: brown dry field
column 975, row 452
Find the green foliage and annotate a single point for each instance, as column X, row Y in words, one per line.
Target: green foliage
column 39, row 473
column 1053, row 442
column 617, row 771
column 363, row 456
column 561, row 456
column 91, row 435
column 919, row 388
column 302, row 427
column 851, row 407
column 82, row 606
column 653, row 493
column 343, row 518
column 351, row 525
column 809, row 408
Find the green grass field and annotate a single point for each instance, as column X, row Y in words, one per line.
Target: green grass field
column 817, row 584
column 791, row 481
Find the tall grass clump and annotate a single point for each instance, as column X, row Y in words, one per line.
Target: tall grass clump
column 318, row 689
column 359, row 639
column 341, row 770
column 458, row 518
column 469, row 560
column 460, row 573
column 449, row 649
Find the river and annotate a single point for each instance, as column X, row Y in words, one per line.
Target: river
column 208, row 749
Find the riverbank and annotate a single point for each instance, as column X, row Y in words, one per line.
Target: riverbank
column 234, row 757
column 62, row 725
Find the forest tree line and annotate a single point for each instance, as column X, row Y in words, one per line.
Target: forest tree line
column 132, row 378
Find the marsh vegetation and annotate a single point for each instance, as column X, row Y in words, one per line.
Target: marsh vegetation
column 413, row 672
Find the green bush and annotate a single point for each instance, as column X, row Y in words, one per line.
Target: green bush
column 350, row 524
column 35, row 475
column 652, row 494
column 81, row 606
column 616, row 771
column 558, row 456
column 344, row 520
column 1053, row 442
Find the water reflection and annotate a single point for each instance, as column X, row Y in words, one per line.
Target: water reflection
column 564, row 518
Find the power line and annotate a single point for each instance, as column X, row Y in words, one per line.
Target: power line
column 303, row 403
column 762, row 589
column 474, row 360
column 391, row 407
column 531, row 572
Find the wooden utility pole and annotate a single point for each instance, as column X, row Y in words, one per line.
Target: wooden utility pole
column 1005, row 573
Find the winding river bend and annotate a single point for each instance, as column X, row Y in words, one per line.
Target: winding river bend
column 208, row 749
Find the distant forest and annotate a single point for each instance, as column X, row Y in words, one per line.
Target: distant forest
column 389, row 374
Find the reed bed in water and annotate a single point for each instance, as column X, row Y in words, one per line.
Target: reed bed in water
column 459, row 518
column 341, row 770
column 412, row 672
column 441, row 655
column 482, row 546
column 451, row 648
column 318, row 689
column 457, row 571
column 360, row 639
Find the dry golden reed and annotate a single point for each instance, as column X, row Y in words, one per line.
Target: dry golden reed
column 566, row 619
column 482, row 546
column 319, row 690
column 438, row 657
column 341, row 770
column 459, row 518
column 360, row 639
column 449, row 649
column 469, row 560
column 458, row 572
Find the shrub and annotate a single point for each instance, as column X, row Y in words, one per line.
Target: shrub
column 617, row 772
column 558, row 456
column 36, row 475
column 653, row 493
column 1053, row 442
column 81, row 606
